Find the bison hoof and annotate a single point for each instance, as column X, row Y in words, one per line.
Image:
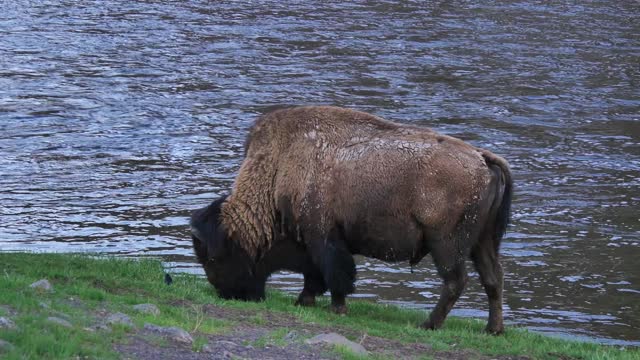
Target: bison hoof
column 428, row 325
column 494, row 330
column 339, row 309
column 306, row 301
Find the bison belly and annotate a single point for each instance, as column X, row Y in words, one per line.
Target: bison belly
column 385, row 237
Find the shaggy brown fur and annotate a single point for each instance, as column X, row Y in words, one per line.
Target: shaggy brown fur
column 350, row 160
column 339, row 182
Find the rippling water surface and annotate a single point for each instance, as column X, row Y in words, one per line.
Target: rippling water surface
column 119, row 118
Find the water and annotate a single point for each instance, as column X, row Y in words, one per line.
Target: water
column 119, row 118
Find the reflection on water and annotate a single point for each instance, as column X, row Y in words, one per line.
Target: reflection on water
column 118, row 118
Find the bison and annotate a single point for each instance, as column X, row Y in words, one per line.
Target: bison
column 319, row 184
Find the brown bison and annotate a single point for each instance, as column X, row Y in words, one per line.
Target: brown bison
column 320, row 184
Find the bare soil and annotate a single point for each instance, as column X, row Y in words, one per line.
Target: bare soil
column 251, row 339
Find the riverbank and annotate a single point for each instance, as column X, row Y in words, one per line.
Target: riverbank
column 117, row 308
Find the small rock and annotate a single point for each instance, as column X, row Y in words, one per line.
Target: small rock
column 60, row 315
column 44, row 305
column 119, row 318
column 75, row 303
column 5, row 346
column 59, row 321
column 208, row 349
column 226, row 343
column 227, row 355
column 7, row 310
column 337, row 339
column 147, row 309
column 101, row 313
column 173, row 333
column 291, row 336
column 7, row 324
column 42, row 285
column 98, row 327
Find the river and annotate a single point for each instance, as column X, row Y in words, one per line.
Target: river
column 119, row 118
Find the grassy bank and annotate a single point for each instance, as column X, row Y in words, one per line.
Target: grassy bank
column 86, row 289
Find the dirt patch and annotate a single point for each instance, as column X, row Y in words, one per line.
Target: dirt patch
column 274, row 335
column 236, row 345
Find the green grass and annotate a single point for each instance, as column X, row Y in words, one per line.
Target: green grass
column 347, row 354
column 198, row 343
column 116, row 284
column 99, row 283
column 258, row 319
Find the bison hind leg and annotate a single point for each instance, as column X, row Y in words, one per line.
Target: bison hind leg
column 486, row 261
column 451, row 268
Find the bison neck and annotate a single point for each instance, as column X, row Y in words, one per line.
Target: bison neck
column 248, row 213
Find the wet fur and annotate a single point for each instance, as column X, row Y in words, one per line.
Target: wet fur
column 319, row 184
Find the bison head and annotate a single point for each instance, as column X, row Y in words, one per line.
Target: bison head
column 228, row 267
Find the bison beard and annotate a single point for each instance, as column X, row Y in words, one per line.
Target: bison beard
column 319, row 184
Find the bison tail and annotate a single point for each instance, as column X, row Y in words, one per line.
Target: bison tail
column 501, row 206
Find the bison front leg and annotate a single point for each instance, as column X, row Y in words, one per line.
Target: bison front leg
column 331, row 255
column 455, row 279
column 313, row 286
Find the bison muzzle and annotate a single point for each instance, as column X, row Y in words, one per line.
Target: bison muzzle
column 319, row 184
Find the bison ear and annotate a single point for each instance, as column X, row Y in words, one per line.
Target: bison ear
column 209, row 235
